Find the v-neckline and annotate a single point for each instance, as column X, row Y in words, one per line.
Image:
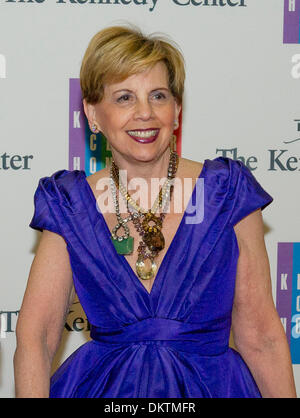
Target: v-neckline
column 122, row 257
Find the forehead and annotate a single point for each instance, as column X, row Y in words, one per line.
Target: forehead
column 154, row 77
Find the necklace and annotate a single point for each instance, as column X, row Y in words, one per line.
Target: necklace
column 152, row 237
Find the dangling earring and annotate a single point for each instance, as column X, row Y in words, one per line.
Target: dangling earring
column 173, row 142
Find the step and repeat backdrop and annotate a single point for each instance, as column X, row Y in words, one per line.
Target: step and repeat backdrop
column 242, row 100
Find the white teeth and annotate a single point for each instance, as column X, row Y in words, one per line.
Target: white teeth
column 143, row 134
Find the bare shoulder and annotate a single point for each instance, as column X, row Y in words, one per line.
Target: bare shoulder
column 94, row 178
column 189, row 168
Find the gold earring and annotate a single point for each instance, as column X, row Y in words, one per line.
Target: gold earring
column 176, row 125
column 173, row 143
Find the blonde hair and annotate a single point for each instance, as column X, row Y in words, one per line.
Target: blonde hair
column 118, row 52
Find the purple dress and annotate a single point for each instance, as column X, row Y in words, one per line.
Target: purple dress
column 173, row 341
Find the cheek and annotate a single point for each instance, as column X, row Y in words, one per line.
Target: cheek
column 169, row 118
column 110, row 122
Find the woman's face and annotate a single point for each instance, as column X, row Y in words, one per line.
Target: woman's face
column 137, row 115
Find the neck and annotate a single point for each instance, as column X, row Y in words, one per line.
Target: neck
column 155, row 168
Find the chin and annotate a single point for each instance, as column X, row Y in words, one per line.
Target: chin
column 147, row 153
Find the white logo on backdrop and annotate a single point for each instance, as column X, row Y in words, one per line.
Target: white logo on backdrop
column 2, row 326
column 292, row 5
column 296, row 68
column 2, row 66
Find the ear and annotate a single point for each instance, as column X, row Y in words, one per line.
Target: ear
column 90, row 113
column 177, row 109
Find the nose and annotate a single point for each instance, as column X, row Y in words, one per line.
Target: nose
column 143, row 110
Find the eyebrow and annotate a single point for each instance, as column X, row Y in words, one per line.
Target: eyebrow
column 131, row 91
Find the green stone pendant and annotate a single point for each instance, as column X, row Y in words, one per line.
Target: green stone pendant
column 123, row 247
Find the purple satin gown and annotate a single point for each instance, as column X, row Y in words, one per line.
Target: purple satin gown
column 173, row 342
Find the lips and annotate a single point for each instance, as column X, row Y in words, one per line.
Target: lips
column 144, row 136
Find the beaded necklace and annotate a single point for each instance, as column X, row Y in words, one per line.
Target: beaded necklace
column 152, row 238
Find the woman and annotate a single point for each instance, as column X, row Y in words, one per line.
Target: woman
column 160, row 291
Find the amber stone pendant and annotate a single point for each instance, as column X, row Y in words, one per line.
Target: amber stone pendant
column 153, row 236
column 154, row 240
column 123, row 247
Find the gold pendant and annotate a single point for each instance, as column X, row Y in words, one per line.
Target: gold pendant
column 143, row 272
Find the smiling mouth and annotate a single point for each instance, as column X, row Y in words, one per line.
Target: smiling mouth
column 144, row 135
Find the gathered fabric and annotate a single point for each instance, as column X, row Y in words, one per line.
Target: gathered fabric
column 174, row 340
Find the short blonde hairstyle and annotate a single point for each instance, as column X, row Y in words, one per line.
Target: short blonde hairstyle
column 118, row 52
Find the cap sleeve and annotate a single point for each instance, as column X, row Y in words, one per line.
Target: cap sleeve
column 46, row 207
column 247, row 194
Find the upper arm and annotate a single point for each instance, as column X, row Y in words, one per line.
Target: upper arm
column 254, row 312
column 48, row 294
